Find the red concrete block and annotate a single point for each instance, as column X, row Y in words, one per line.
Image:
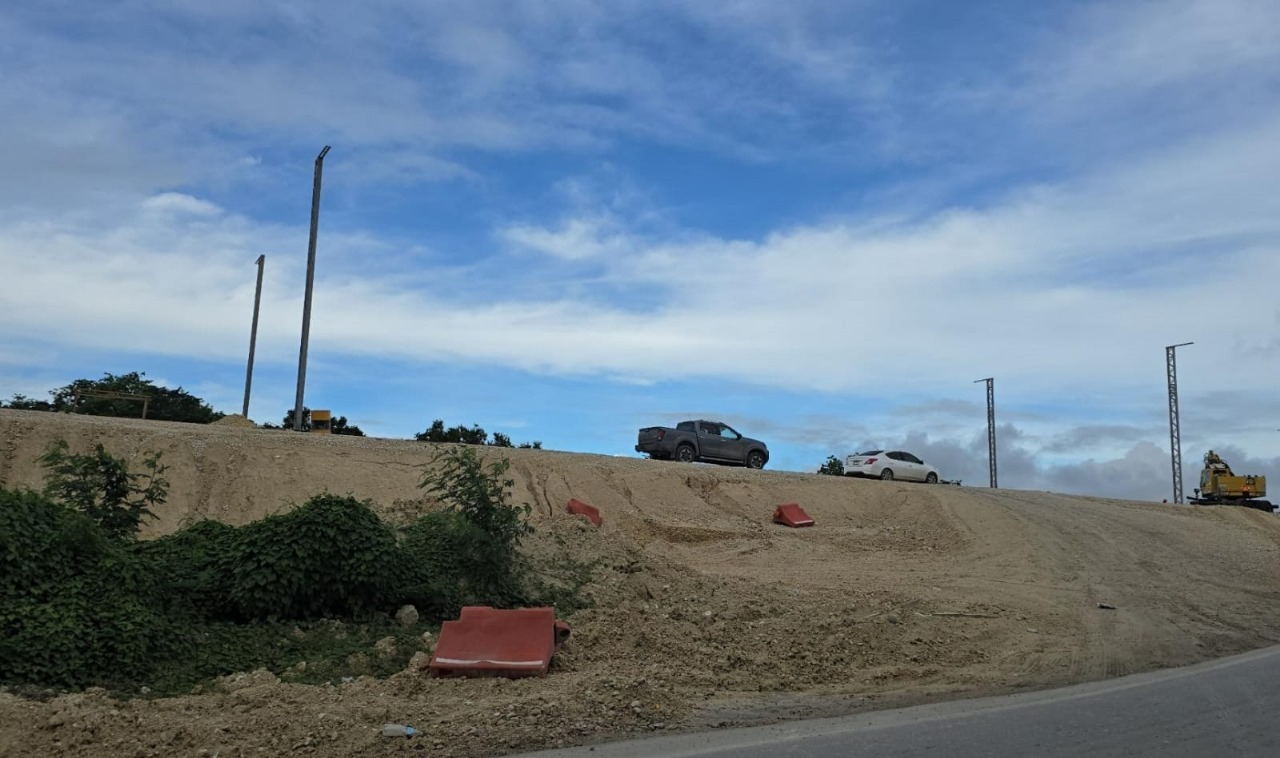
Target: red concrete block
column 489, row 642
column 579, row 508
column 791, row 514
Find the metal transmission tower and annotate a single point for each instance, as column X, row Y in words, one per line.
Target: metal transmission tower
column 991, row 428
column 1175, row 432
column 306, row 301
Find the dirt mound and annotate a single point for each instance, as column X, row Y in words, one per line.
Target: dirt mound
column 705, row 611
column 236, row 420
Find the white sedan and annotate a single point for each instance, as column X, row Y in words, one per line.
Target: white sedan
column 890, row 464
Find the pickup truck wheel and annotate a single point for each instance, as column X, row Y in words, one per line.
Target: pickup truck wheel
column 685, row 454
column 755, row 459
column 932, row 478
column 887, row 474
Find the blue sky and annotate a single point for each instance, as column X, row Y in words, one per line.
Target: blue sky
column 818, row 221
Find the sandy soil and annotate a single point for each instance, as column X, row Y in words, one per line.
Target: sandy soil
column 707, row 614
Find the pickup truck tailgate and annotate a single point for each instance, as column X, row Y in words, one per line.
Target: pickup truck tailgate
column 651, row 435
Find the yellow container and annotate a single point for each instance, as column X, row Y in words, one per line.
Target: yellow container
column 321, row 422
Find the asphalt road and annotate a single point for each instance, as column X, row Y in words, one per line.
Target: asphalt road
column 1228, row 707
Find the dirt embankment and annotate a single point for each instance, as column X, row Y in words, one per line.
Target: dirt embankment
column 707, row 613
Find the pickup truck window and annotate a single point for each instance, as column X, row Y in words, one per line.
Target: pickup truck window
column 729, row 434
column 685, row 426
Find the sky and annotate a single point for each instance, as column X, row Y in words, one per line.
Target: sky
column 564, row 220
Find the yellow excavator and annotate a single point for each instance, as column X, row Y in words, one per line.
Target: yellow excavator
column 1220, row 486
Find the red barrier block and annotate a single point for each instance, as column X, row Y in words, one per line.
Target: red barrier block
column 579, row 508
column 791, row 514
column 489, row 642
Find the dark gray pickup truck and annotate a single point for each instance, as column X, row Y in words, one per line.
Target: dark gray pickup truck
column 709, row 441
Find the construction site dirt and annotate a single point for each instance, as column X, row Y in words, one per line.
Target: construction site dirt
column 705, row 612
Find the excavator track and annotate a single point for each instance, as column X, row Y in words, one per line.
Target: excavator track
column 1262, row 505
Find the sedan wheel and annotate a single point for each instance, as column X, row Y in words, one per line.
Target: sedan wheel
column 887, row 474
column 932, row 478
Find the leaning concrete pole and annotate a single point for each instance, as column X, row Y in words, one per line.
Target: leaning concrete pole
column 253, row 337
column 306, row 301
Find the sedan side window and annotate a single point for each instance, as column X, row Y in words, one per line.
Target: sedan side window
column 912, row 458
column 895, row 456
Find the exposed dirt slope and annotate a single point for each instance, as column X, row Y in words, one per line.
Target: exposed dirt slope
column 708, row 612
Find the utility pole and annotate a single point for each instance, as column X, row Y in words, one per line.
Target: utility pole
column 1175, row 431
column 253, row 336
column 306, row 301
column 991, row 428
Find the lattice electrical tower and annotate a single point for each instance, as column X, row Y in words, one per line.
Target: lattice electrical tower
column 1175, row 432
column 991, row 428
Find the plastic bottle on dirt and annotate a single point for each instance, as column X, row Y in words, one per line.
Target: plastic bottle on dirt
column 396, row 730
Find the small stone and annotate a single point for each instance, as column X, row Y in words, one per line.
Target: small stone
column 358, row 663
column 635, row 703
column 419, row 662
column 386, row 647
column 57, row 720
column 407, row 615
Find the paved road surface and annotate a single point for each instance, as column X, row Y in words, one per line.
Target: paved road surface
column 1229, row 707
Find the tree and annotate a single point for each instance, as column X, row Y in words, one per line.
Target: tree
column 23, row 403
column 458, row 434
column 163, row 404
column 476, row 435
column 337, row 424
column 101, row 486
column 834, row 466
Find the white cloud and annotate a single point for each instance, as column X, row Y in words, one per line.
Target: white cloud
column 1080, row 284
column 577, row 239
column 1123, row 47
column 176, row 202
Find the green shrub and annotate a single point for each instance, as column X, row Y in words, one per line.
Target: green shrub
column 99, row 485
column 76, row 607
column 833, row 466
column 332, row 556
column 81, row 604
column 437, row 551
column 479, row 494
column 43, row 544
column 191, row 562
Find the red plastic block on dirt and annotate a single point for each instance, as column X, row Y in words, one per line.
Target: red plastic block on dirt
column 485, row 641
column 580, row 508
column 791, row 514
